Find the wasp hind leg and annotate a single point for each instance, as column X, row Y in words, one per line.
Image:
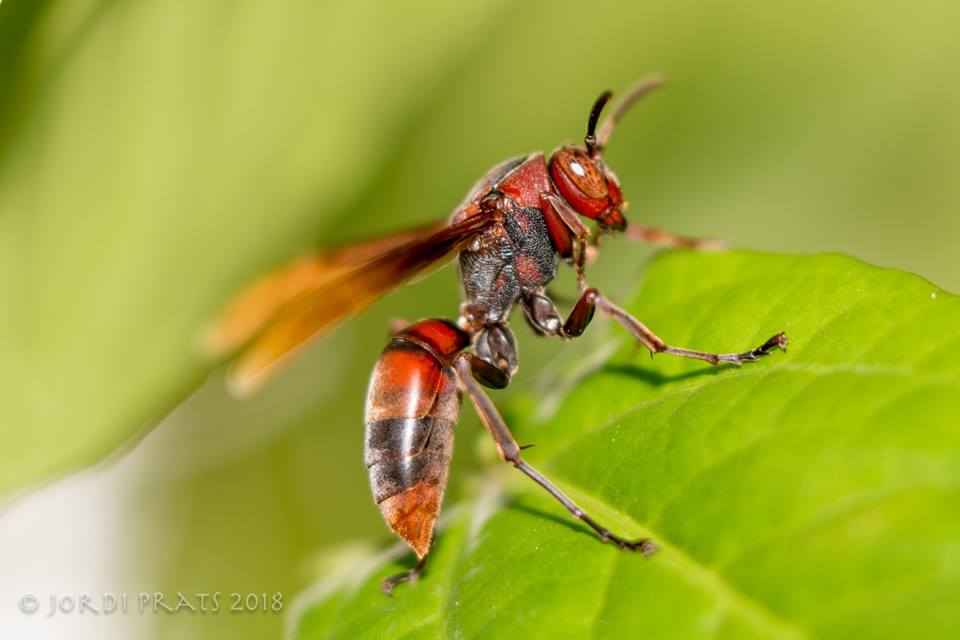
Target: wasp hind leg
column 510, row 452
column 407, row 576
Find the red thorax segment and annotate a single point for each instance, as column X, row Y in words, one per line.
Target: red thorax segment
column 526, row 182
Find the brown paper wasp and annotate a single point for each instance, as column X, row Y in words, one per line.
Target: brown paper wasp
column 515, row 226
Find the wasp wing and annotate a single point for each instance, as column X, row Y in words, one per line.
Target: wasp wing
column 253, row 307
column 317, row 311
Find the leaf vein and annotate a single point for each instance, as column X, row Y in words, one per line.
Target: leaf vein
column 699, row 574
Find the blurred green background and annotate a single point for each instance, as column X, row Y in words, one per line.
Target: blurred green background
column 154, row 156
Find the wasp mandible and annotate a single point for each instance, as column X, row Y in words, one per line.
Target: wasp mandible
column 516, row 225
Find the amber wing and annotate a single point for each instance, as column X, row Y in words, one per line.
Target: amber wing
column 260, row 301
column 300, row 302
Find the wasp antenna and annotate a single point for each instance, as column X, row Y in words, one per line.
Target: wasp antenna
column 591, row 140
column 639, row 90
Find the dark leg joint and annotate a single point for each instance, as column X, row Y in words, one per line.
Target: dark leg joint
column 488, row 374
column 541, row 313
column 581, row 315
column 496, row 355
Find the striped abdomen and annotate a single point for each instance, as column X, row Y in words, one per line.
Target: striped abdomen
column 412, row 406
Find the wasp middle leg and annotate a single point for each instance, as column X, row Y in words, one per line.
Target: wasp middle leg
column 543, row 314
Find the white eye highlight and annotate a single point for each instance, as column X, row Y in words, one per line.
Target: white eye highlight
column 578, row 169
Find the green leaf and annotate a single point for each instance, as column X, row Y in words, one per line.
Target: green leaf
column 813, row 494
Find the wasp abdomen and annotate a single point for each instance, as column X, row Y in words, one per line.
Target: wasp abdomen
column 412, row 406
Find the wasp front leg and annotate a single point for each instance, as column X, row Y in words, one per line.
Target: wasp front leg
column 660, row 238
column 510, row 452
column 579, row 231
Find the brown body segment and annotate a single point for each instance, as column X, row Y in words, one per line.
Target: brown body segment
column 413, row 404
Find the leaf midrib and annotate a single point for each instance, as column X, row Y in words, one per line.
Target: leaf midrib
column 696, row 573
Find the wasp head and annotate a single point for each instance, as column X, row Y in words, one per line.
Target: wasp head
column 579, row 172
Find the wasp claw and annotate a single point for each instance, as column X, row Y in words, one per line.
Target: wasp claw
column 779, row 341
column 646, row 546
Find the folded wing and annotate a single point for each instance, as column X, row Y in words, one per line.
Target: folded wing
column 287, row 308
column 253, row 307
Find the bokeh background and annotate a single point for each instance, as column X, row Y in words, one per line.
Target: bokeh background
column 154, row 156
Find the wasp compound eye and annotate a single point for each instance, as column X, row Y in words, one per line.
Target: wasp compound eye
column 583, row 173
column 580, row 182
